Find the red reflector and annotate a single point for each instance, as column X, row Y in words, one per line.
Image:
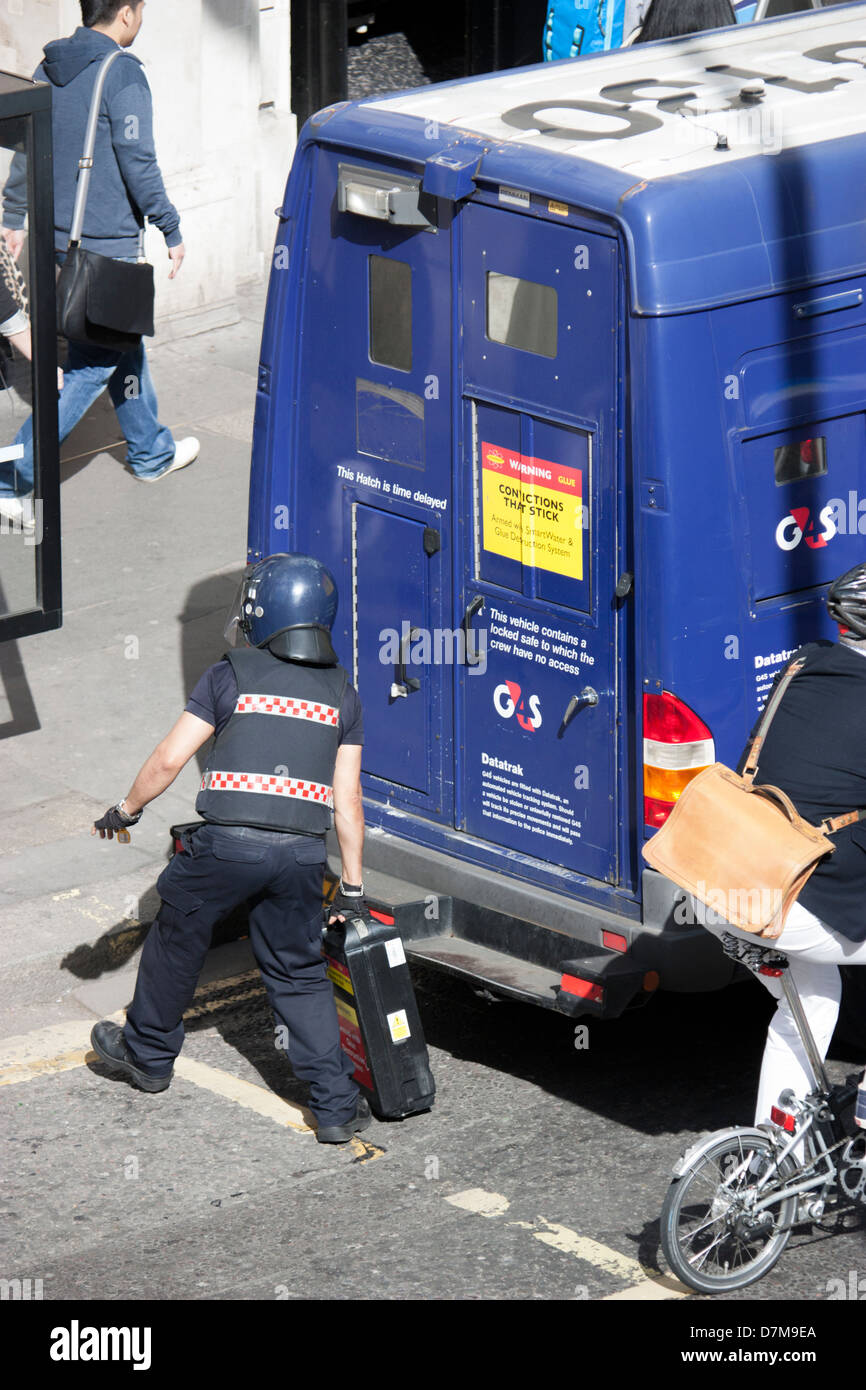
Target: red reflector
column 613, row 941
column 382, row 917
column 783, row 1119
column 772, row 970
column 655, row 813
column 584, row 989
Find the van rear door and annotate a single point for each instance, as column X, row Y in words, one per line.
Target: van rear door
column 375, row 440
column 539, row 710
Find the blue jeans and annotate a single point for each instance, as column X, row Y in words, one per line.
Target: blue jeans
column 87, row 372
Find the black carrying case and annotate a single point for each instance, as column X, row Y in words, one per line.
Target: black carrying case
column 380, row 1028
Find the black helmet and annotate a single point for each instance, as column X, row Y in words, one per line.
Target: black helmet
column 846, row 600
column 288, row 604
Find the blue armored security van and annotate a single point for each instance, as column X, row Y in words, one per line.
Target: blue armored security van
column 563, row 375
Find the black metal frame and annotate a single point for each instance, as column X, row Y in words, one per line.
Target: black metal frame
column 22, row 98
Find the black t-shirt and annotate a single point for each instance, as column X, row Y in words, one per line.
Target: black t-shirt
column 815, row 751
column 215, row 696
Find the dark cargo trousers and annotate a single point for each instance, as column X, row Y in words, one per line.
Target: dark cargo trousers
column 221, row 867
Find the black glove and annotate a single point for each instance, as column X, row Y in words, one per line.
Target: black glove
column 345, row 904
column 114, row 820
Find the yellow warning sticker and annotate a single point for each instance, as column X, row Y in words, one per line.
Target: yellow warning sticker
column 339, row 975
column 533, row 510
column 561, row 209
column 399, row 1025
column 346, row 1011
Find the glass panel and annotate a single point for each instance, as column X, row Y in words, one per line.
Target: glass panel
column 391, row 313
column 20, row 517
column 805, row 459
column 521, row 314
column 389, row 423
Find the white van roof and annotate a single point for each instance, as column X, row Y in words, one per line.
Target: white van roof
column 658, row 109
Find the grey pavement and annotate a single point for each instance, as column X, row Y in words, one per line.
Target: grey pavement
column 148, row 573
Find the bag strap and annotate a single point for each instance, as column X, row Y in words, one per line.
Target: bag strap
column 773, row 704
column 85, row 163
column 830, row 824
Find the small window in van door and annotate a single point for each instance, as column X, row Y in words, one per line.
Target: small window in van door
column 522, row 314
column 391, row 313
column 807, row 458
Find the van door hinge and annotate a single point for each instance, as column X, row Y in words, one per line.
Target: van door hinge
column 624, row 585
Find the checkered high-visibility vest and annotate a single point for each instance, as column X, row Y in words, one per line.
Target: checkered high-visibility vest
column 272, row 765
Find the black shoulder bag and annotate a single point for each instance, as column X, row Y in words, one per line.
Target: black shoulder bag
column 100, row 301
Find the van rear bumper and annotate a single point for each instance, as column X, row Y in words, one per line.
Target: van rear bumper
column 525, row 942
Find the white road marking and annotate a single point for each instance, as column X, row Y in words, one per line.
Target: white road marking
column 482, row 1203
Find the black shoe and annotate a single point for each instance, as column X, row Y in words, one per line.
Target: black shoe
column 108, row 1040
column 340, row 1134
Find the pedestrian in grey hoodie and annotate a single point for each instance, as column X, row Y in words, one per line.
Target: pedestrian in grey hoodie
column 126, row 187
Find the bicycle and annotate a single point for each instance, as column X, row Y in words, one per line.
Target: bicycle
column 737, row 1194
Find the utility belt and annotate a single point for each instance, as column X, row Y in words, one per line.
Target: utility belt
column 255, row 833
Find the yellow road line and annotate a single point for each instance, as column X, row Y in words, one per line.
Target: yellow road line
column 63, row 1046
column 583, row 1248
column 651, row 1290
column 363, row 1150
column 59, row 1047
column 642, row 1281
column 245, row 1093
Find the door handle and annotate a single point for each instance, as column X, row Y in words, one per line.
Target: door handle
column 587, row 697
column 472, row 609
column 404, row 685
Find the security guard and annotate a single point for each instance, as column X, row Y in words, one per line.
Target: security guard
column 287, row 749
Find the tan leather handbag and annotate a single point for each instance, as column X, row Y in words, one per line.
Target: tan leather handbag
column 741, row 850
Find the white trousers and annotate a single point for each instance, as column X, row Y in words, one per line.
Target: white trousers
column 815, row 952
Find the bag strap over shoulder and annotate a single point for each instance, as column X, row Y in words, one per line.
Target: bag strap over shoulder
column 830, row 824
column 85, row 163
column 772, row 706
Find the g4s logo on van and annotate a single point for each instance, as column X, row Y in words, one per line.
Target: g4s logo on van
column 508, row 699
column 799, row 525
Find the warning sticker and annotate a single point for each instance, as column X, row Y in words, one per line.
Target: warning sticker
column 351, row 1043
column 395, row 953
column 533, row 510
column 338, row 974
column 399, row 1025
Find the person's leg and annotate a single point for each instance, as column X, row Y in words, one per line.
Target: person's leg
column 286, row 937
column 197, row 890
column 785, row 1063
column 85, row 376
column 151, row 446
column 815, row 952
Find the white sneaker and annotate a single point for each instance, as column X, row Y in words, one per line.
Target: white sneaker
column 21, row 517
column 186, row 451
